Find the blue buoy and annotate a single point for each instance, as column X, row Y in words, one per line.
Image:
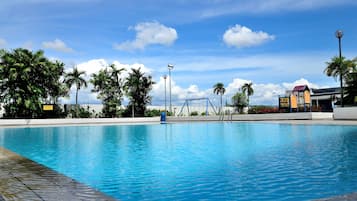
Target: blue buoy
column 163, row 117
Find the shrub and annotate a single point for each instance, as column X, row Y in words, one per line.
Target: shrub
column 194, row 113
column 82, row 112
column 263, row 109
column 152, row 113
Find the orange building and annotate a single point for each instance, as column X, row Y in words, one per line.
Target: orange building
column 299, row 99
column 303, row 97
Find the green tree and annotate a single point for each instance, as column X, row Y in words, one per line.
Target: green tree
column 138, row 87
column 219, row 89
column 108, row 85
column 239, row 100
column 28, row 79
column 333, row 67
column 351, row 88
column 75, row 78
column 248, row 90
column 60, row 89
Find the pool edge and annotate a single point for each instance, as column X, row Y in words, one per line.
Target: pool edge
column 24, row 179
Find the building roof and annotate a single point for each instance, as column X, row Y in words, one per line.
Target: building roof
column 301, row 88
column 326, row 91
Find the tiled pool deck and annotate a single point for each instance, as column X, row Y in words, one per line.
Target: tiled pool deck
column 23, row 179
column 348, row 197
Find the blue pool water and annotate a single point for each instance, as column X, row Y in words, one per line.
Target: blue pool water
column 198, row 161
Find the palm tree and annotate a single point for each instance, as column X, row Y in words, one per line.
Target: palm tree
column 108, row 85
column 137, row 87
column 115, row 72
column 219, row 89
column 333, row 67
column 248, row 89
column 75, row 77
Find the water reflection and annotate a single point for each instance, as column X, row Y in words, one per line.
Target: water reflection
column 222, row 160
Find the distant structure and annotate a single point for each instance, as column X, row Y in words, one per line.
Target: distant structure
column 303, row 96
column 324, row 100
column 297, row 100
column 188, row 104
column 303, row 99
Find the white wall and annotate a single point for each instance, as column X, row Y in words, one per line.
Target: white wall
column 176, row 109
column 345, row 113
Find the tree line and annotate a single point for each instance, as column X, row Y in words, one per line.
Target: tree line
column 29, row 79
column 239, row 99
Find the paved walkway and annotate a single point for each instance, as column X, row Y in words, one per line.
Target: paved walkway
column 23, row 179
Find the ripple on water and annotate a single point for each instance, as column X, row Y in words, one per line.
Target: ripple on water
column 214, row 161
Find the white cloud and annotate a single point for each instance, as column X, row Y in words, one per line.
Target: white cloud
column 178, row 93
column 241, row 36
column 301, row 81
column 57, row 45
column 149, row 33
column 264, row 93
column 235, row 86
column 2, row 42
column 93, row 66
column 128, row 68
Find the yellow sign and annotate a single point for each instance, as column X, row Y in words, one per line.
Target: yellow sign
column 307, row 96
column 355, row 99
column 284, row 102
column 47, row 107
column 293, row 101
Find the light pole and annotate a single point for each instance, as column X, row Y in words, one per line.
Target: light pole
column 170, row 67
column 165, row 76
column 339, row 35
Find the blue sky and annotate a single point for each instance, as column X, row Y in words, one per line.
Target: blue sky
column 273, row 43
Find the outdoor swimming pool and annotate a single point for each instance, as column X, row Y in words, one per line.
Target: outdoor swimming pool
column 193, row 161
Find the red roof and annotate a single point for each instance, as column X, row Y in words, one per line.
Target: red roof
column 301, row 88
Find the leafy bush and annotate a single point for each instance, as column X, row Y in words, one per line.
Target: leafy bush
column 263, row 109
column 82, row 112
column 152, row 113
column 194, row 113
column 239, row 101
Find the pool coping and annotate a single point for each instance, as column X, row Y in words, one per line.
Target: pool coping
column 156, row 120
column 76, row 121
column 295, row 122
column 24, row 179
